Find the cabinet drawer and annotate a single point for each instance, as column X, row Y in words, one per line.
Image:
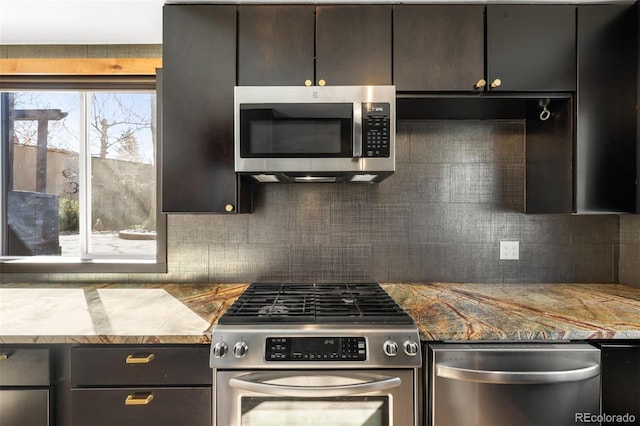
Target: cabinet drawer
column 24, row 407
column 155, row 407
column 140, row 365
column 24, row 367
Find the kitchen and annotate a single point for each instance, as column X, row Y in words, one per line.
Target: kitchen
column 457, row 191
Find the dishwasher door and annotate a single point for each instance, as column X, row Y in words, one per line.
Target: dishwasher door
column 513, row 384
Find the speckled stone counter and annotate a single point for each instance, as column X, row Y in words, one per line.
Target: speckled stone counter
column 521, row 312
column 186, row 313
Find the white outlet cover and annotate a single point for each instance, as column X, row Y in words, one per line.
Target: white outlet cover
column 509, row 250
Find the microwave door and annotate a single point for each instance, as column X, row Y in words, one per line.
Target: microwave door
column 296, row 130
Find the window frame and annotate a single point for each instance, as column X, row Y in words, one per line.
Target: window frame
column 99, row 264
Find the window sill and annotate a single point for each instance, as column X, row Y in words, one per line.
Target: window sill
column 75, row 265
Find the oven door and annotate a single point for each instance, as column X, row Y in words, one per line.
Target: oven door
column 315, row 398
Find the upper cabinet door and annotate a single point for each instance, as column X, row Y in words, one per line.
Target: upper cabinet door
column 199, row 56
column 531, row 47
column 438, row 47
column 275, row 45
column 353, row 45
column 607, row 128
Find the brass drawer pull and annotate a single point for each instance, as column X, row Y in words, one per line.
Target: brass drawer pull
column 138, row 399
column 132, row 359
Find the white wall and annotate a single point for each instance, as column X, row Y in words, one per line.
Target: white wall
column 81, row 21
column 132, row 21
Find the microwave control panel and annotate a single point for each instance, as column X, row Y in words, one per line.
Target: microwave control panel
column 376, row 129
column 316, row 349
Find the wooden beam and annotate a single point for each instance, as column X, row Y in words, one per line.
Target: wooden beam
column 79, row 66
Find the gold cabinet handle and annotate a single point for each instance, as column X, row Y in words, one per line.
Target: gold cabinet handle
column 321, row 82
column 496, row 83
column 138, row 399
column 308, row 82
column 480, row 84
column 229, row 208
column 132, row 359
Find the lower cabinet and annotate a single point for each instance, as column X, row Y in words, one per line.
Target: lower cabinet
column 140, row 385
column 24, row 407
column 141, row 406
column 25, row 381
column 620, row 382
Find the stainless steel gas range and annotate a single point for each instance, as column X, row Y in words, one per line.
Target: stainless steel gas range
column 308, row 354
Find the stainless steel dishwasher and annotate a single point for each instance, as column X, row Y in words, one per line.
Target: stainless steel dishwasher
column 513, row 384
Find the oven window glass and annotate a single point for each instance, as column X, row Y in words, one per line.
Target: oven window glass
column 296, row 130
column 340, row 411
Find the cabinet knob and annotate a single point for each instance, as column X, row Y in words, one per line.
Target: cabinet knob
column 308, row 82
column 229, row 208
column 480, row 84
column 496, row 83
column 321, row 82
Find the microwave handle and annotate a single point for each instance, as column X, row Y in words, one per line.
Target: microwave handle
column 252, row 382
column 357, row 130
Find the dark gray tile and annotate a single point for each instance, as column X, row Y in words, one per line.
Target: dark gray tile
column 350, row 262
column 249, row 262
column 590, row 229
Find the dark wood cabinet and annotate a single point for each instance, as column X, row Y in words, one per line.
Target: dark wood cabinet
column 438, row 47
column 620, row 371
column 531, row 48
column 293, row 45
column 140, row 385
column 353, row 44
column 442, row 48
column 199, row 73
column 275, row 45
column 606, row 138
column 25, row 380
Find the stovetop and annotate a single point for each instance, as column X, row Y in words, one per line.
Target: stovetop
column 315, row 325
column 315, row 303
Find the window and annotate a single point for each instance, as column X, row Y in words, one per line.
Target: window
column 79, row 180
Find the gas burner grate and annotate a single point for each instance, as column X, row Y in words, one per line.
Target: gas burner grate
column 309, row 303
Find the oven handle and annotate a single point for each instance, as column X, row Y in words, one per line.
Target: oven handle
column 516, row 377
column 254, row 382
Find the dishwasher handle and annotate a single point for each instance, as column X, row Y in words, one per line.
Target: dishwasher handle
column 253, row 382
column 516, row 377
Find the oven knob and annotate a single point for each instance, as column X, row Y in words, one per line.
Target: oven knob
column 240, row 349
column 220, row 349
column 410, row 347
column 390, row 348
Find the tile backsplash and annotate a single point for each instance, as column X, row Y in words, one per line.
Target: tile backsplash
column 457, row 191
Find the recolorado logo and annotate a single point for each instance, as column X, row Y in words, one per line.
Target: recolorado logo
column 604, row 417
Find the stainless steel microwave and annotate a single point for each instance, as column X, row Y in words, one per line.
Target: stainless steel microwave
column 315, row 134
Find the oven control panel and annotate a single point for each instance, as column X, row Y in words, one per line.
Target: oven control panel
column 316, row 349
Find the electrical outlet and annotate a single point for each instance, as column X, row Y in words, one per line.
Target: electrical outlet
column 509, row 250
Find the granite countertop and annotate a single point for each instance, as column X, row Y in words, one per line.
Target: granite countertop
column 112, row 313
column 521, row 312
column 186, row 313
